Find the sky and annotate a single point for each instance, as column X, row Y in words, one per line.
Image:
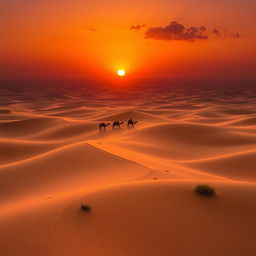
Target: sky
column 149, row 39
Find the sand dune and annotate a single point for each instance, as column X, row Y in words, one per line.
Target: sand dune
column 175, row 221
column 66, row 168
column 27, row 127
column 137, row 115
column 195, row 134
column 17, row 150
column 67, row 131
column 249, row 121
column 4, row 111
column 79, row 112
column 138, row 181
column 182, row 141
column 210, row 113
column 241, row 166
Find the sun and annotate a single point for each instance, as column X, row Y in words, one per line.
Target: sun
column 121, row 72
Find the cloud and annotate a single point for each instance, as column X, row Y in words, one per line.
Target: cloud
column 90, row 29
column 176, row 31
column 223, row 32
column 215, row 31
column 137, row 27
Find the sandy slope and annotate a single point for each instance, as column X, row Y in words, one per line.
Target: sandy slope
column 72, row 167
column 139, row 182
column 162, row 218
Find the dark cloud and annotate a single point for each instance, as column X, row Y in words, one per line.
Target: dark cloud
column 137, row 27
column 236, row 35
column 223, row 32
column 215, row 31
column 90, row 29
column 176, row 31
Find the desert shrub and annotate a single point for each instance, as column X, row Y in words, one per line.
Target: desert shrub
column 85, row 207
column 204, row 190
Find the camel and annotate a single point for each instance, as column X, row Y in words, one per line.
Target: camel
column 131, row 123
column 103, row 125
column 117, row 124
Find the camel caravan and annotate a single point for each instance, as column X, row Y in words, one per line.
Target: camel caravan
column 117, row 125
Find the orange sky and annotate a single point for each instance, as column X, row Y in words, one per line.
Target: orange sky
column 92, row 40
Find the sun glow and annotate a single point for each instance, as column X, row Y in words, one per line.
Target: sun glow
column 121, row 72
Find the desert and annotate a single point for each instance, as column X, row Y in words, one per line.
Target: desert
column 139, row 182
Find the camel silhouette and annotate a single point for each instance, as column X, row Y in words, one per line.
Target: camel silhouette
column 131, row 123
column 117, row 124
column 103, row 125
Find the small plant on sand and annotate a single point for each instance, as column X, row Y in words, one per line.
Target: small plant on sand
column 204, row 190
column 85, row 208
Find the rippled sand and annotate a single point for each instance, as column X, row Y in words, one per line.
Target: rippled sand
column 138, row 181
